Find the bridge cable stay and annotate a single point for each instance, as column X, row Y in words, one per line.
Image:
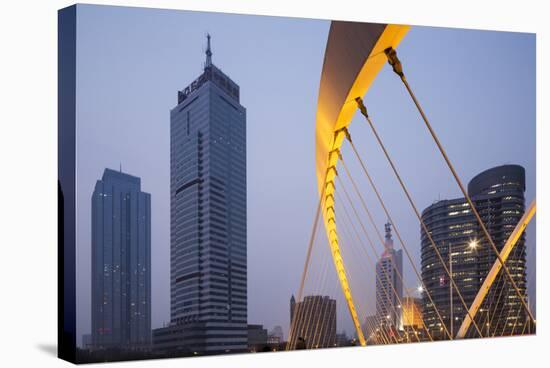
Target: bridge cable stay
column 500, row 285
column 322, row 309
column 346, row 231
column 488, row 321
column 369, row 215
column 306, row 311
column 307, row 260
column 373, row 263
column 528, row 322
column 364, row 112
column 303, row 312
column 397, row 233
column 373, row 224
column 494, row 272
column 397, row 67
column 510, row 309
column 317, row 333
column 389, row 335
column 494, row 302
column 311, row 330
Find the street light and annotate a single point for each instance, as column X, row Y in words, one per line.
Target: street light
column 473, row 244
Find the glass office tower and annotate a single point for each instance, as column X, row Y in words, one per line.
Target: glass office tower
column 208, row 218
column 121, row 263
column 498, row 195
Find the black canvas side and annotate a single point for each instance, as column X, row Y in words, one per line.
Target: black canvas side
column 66, row 281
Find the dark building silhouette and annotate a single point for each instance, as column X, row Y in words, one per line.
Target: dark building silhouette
column 208, row 270
column 257, row 338
column 313, row 322
column 498, row 195
column 121, row 263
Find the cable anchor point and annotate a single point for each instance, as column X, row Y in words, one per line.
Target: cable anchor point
column 394, row 61
column 362, row 106
column 348, row 136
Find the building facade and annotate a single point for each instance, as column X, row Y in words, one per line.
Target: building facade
column 389, row 286
column 257, row 338
column 121, row 263
column 208, row 274
column 498, row 195
column 313, row 322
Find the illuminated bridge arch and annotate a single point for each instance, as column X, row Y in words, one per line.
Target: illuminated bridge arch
column 353, row 58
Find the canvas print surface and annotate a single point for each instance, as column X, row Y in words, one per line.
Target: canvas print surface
column 245, row 184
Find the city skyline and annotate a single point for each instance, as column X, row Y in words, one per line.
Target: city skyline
column 259, row 145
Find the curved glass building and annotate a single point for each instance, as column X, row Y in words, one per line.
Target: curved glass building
column 498, row 195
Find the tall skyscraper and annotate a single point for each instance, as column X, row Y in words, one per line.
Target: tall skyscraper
column 498, row 195
column 121, row 263
column 388, row 283
column 208, row 274
column 313, row 322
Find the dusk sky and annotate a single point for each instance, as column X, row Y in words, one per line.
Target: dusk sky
column 477, row 88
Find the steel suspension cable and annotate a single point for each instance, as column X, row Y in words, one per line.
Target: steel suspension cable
column 520, row 309
column 319, row 287
column 364, row 250
column 373, row 224
column 308, row 309
column 399, row 299
column 398, row 69
column 346, row 232
column 308, row 256
column 397, row 233
column 363, row 110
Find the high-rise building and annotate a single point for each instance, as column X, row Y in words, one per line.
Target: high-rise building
column 498, row 195
column 389, row 286
column 121, row 263
column 313, row 322
column 208, row 274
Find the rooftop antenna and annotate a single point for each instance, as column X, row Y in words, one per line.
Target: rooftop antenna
column 121, row 167
column 389, row 241
column 208, row 52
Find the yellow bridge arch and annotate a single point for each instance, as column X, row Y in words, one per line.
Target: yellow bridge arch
column 354, row 56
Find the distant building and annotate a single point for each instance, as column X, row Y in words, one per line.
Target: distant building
column 208, row 273
column 257, row 337
column 498, row 195
column 342, row 339
column 121, row 263
column 411, row 313
column 276, row 335
column 388, row 284
column 313, row 322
